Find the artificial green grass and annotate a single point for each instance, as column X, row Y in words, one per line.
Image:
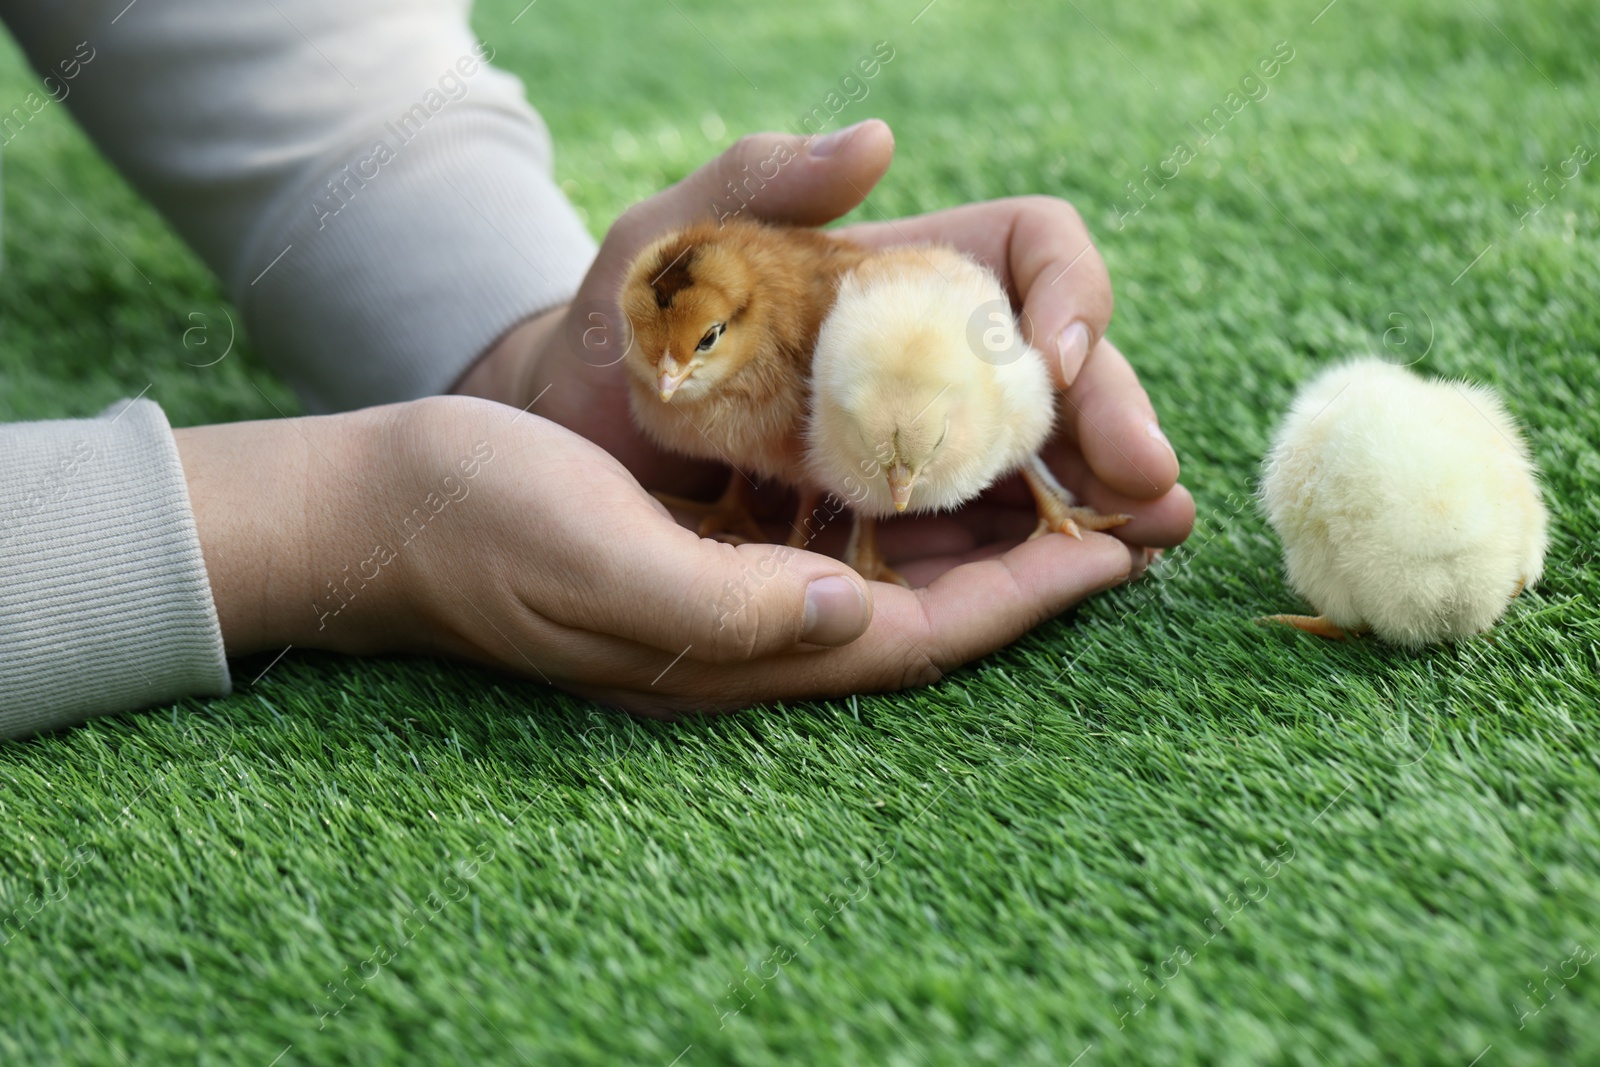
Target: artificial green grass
column 1280, row 850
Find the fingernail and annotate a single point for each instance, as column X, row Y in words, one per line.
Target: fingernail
column 836, row 611
column 1072, row 348
column 1154, row 430
column 827, row 146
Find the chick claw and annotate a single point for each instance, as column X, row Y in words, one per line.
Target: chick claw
column 727, row 518
column 1057, row 512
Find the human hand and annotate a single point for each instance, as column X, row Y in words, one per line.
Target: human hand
column 1109, row 448
column 461, row 527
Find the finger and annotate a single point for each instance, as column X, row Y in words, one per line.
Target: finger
column 914, row 639
column 774, row 176
column 1109, row 415
column 721, row 603
column 1040, row 247
column 1159, row 522
column 925, row 570
column 979, row 607
column 1164, row 522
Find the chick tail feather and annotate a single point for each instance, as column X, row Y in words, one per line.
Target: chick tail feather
column 1058, row 512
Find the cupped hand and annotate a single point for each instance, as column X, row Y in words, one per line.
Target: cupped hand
column 1109, row 447
column 462, row 527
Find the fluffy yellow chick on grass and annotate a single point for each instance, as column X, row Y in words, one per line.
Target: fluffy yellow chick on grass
column 911, row 412
column 1406, row 507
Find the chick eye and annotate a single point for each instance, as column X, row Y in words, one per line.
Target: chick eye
column 710, row 339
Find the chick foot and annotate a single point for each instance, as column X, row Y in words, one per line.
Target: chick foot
column 800, row 531
column 1057, row 511
column 727, row 518
column 863, row 556
column 1319, row 625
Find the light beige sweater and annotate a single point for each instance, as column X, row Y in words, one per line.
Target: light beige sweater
column 378, row 201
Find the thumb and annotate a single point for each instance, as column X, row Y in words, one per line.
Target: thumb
column 722, row 603
column 779, row 177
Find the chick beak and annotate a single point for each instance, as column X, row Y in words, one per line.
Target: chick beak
column 901, row 479
column 673, row 374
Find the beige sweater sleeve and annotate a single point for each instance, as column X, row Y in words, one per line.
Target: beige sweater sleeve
column 376, row 197
column 377, row 200
column 104, row 600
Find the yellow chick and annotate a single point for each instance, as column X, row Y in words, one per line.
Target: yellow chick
column 1406, row 507
column 923, row 394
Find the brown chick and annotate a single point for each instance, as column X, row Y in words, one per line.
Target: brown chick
column 723, row 321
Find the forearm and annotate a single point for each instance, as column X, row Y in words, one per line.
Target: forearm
column 134, row 558
column 376, row 198
column 248, row 486
column 288, row 512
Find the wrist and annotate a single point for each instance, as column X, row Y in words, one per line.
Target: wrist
column 267, row 499
column 506, row 369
